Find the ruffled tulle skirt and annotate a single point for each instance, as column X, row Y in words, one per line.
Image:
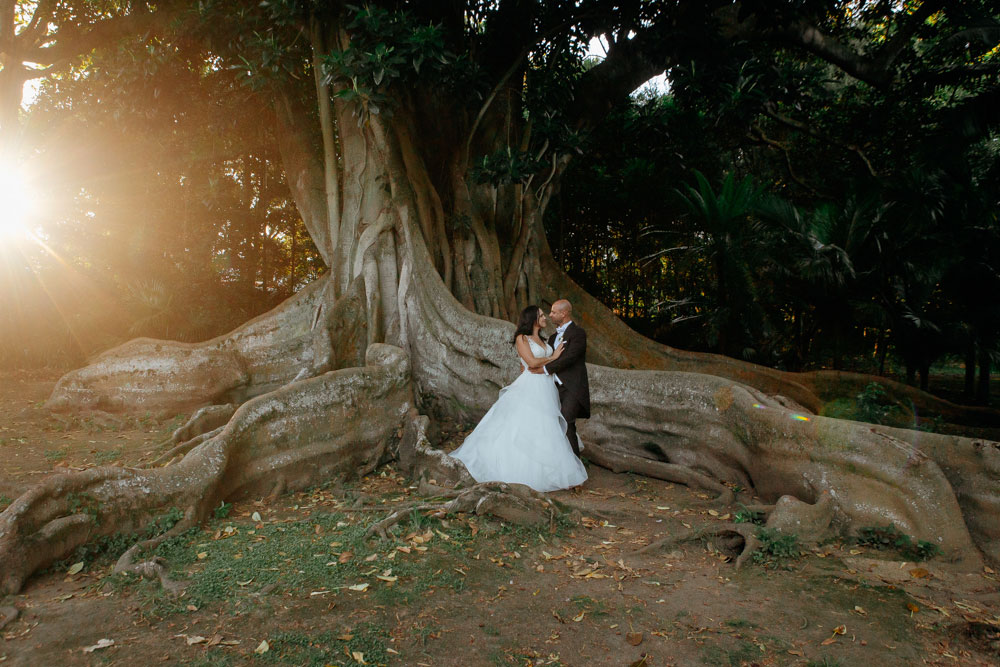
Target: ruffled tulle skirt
column 522, row 439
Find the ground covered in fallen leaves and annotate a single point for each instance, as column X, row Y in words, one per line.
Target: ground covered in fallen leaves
column 293, row 581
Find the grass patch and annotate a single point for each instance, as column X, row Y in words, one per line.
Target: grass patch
column 595, row 608
column 109, row 455
column 232, row 563
column 367, row 642
column 55, row 455
column 743, row 652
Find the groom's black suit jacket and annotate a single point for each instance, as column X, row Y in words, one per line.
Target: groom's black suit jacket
column 571, row 367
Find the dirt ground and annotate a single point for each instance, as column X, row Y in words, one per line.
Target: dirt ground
column 293, row 581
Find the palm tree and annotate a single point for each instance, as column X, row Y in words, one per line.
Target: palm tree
column 724, row 234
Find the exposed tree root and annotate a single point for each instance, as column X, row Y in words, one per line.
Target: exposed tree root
column 618, row 462
column 202, row 421
column 515, row 503
column 934, row 487
column 8, row 614
column 735, row 539
column 154, row 568
column 341, row 422
column 184, row 447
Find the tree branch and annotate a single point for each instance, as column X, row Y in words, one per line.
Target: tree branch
column 71, row 41
column 770, row 110
column 764, row 139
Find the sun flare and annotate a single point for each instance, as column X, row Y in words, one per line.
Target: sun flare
column 17, row 202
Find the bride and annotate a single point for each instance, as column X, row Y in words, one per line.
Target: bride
column 522, row 439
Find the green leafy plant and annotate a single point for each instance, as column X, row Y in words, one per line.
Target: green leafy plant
column 747, row 515
column 873, row 405
column 890, row 537
column 505, row 167
column 775, row 546
column 222, row 511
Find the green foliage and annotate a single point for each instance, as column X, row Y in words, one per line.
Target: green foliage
column 747, row 515
column 775, row 547
column 890, row 537
column 873, row 405
column 388, row 48
column 77, row 503
column 222, row 511
column 505, row 167
column 111, row 547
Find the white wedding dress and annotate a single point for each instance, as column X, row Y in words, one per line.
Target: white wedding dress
column 522, row 439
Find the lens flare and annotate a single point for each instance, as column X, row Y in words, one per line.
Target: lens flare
column 17, row 202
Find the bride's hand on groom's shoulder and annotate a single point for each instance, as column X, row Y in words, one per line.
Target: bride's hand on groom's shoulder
column 559, row 349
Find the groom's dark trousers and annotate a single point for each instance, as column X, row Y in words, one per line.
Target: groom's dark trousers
column 571, row 369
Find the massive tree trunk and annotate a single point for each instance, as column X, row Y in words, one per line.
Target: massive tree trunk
column 424, row 267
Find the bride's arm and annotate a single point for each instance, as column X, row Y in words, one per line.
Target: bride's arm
column 524, row 350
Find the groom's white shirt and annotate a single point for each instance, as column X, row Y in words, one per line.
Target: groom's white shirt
column 555, row 344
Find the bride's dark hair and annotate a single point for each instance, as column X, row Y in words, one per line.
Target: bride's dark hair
column 526, row 323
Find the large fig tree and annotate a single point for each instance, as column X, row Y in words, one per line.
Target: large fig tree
column 422, row 143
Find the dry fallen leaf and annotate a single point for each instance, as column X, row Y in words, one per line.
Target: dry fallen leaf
column 919, row 573
column 828, row 641
column 262, row 648
column 358, row 587
column 840, row 630
column 633, row 638
column 359, row 657
column 579, row 617
column 195, row 639
column 101, row 643
column 75, row 568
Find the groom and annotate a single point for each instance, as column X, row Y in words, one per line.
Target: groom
column 570, row 369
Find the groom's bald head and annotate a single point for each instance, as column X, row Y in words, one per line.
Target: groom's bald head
column 561, row 312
